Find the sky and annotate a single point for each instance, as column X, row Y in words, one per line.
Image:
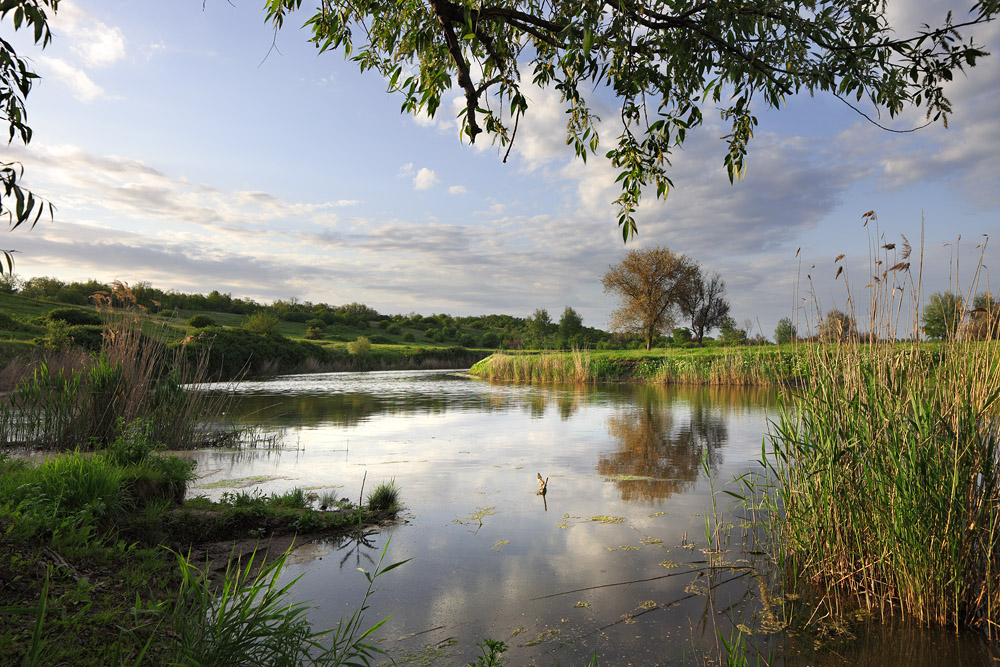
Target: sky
column 189, row 146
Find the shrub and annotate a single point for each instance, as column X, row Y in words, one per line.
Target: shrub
column 56, row 338
column 133, row 443
column 316, row 323
column 262, row 323
column 74, row 316
column 8, row 323
column 408, row 337
column 201, row 321
column 314, row 333
column 393, row 329
column 467, row 340
column 90, row 338
column 360, row 346
column 379, row 339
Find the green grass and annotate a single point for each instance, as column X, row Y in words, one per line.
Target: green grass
column 385, row 498
column 86, row 582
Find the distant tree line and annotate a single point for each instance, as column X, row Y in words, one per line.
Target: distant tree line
column 326, row 321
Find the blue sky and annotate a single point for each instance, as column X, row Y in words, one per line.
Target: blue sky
column 181, row 150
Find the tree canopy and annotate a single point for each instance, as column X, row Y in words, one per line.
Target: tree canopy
column 837, row 326
column 664, row 61
column 942, row 315
column 785, row 332
column 16, row 79
column 702, row 300
column 649, row 283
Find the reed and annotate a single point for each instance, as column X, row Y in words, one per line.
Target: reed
column 888, row 467
column 135, row 376
column 736, row 366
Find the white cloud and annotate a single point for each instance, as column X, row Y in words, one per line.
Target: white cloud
column 94, row 42
column 425, row 179
column 153, row 48
column 457, row 190
column 84, row 89
column 405, row 170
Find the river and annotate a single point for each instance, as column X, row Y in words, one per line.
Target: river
column 613, row 559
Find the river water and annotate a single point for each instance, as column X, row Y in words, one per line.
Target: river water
column 613, row 559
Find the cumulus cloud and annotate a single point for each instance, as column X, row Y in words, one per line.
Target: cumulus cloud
column 84, row 89
column 93, row 41
column 425, row 179
column 457, row 190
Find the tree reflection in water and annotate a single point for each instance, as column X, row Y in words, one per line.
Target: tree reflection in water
column 661, row 442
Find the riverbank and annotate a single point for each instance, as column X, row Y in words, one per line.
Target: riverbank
column 102, row 561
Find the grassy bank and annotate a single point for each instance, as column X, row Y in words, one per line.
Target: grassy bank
column 103, row 563
column 740, row 366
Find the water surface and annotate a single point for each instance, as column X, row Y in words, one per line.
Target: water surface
column 613, row 559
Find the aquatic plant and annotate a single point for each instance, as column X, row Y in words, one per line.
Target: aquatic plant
column 385, row 497
column 888, row 467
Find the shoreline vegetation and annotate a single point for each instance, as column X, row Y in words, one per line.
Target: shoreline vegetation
column 103, row 561
column 733, row 366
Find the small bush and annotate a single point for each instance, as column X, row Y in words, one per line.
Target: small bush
column 134, row 442
column 316, row 323
column 408, row 337
column 360, row 346
column 262, row 323
column 314, row 333
column 57, row 337
column 88, row 337
column 201, row 321
column 379, row 339
column 74, row 316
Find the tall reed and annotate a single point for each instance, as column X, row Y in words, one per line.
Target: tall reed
column 888, row 466
column 742, row 366
column 135, row 376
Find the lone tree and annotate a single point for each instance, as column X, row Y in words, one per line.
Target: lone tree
column 785, row 332
column 648, row 282
column 836, row 326
column 570, row 324
column 665, row 62
column 984, row 322
column 701, row 300
column 942, row 315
